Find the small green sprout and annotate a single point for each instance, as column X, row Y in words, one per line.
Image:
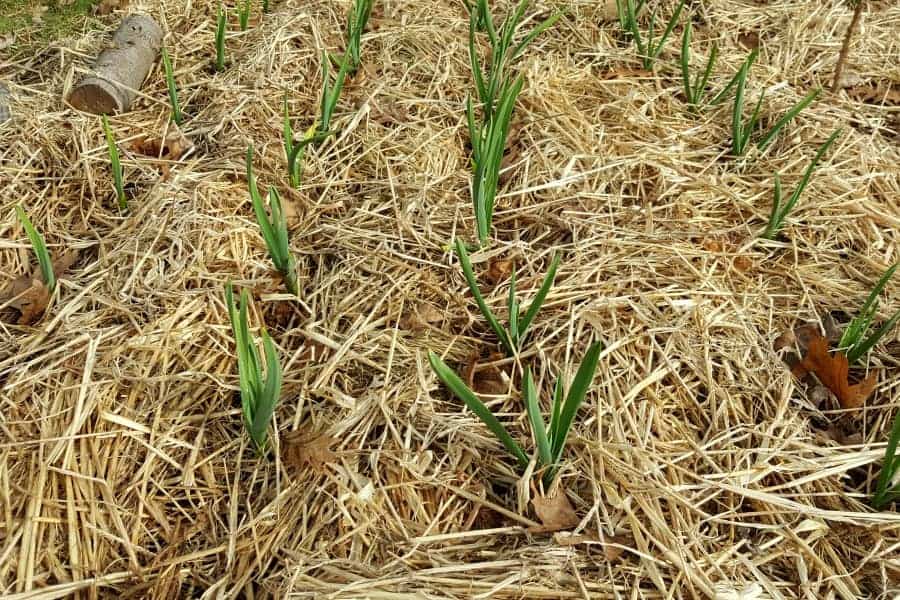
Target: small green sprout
column 331, row 93
column 491, row 83
column 627, row 17
column 258, row 395
column 549, row 440
column 177, row 115
column 741, row 133
column 265, row 6
column 887, row 489
column 649, row 50
column 220, row 39
column 510, row 339
column 116, row 165
column 295, row 151
column 695, row 90
column 40, row 249
column 244, row 15
column 274, row 231
column 488, row 144
column 356, row 24
column 854, row 340
column 780, row 210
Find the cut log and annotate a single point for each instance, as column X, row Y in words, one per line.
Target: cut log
column 121, row 69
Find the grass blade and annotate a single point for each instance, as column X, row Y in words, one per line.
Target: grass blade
column 115, row 164
column 462, row 391
column 751, row 58
column 220, row 39
column 177, row 116
column 513, row 308
column 884, row 492
column 479, row 299
column 778, row 126
column 583, row 378
column 539, row 298
column 40, row 249
column 244, row 15
column 536, row 419
column 269, row 397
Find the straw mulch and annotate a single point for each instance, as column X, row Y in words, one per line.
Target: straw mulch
column 699, row 467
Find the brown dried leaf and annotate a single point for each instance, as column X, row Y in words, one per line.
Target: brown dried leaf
column 488, row 379
column 833, row 371
column 555, row 511
column 175, row 145
column 748, row 39
column 876, row 93
column 612, row 544
column 498, row 270
column 301, row 450
column 419, row 319
column 31, row 302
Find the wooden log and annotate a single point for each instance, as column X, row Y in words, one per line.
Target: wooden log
column 120, row 70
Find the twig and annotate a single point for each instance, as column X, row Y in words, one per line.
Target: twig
column 845, row 48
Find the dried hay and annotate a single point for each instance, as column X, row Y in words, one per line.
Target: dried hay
column 698, row 468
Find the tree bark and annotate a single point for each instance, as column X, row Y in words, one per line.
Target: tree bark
column 121, row 69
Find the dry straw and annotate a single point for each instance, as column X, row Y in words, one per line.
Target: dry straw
column 698, row 466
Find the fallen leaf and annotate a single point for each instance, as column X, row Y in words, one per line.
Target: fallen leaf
column 555, row 511
column 175, row 145
column 419, row 319
column 833, row 371
column 498, row 270
column 748, row 39
column 30, row 298
column 613, row 545
column 487, row 379
column 874, row 93
column 302, row 450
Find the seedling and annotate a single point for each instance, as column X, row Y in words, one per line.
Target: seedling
column 356, row 24
column 173, row 90
column 258, row 395
column 491, row 83
column 855, row 341
column 887, row 489
column 244, row 15
column 741, row 133
column 274, row 231
column 518, row 324
column 549, row 440
column 627, row 17
column 40, row 249
column 694, row 91
column 294, row 152
column 220, row 39
column 488, row 144
column 781, row 209
column 265, row 6
column 115, row 164
column 751, row 58
column 648, row 49
column 331, row 93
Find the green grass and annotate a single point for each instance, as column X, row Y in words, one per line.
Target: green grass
column 244, row 15
column 780, row 209
column 497, row 93
column 221, row 18
column 741, row 132
column 115, row 165
column 61, row 19
column 512, row 338
column 856, row 341
column 648, row 49
column 886, row 491
column 259, row 394
column 549, row 439
column 265, row 6
column 356, row 24
column 177, row 115
column 695, row 89
column 274, row 230
column 40, row 249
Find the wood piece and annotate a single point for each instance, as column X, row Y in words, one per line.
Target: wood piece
column 5, row 115
column 121, row 69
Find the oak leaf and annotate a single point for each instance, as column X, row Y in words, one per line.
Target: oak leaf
column 833, row 371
